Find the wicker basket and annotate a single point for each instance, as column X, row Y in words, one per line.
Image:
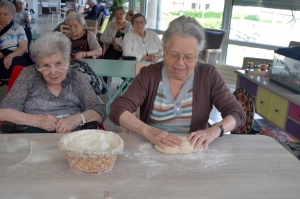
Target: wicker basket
column 88, row 160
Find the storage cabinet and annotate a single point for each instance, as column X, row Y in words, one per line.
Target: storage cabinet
column 276, row 104
column 278, row 110
column 263, row 101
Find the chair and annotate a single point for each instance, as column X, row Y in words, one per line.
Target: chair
column 49, row 11
column 104, row 24
column 294, row 43
column 81, row 9
column 256, row 61
column 65, row 28
column 138, row 67
column 214, row 39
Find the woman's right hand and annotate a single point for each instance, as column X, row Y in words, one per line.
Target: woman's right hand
column 47, row 122
column 162, row 138
column 1, row 56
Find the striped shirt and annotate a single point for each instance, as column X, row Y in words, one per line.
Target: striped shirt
column 169, row 114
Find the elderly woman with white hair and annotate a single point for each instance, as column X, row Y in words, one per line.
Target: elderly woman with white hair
column 13, row 41
column 177, row 95
column 84, row 43
column 95, row 10
column 51, row 96
column 22, row 16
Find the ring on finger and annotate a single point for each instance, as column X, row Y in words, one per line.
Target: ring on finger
column 65, row 130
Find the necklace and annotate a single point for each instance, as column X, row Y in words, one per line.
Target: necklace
column 175, row 95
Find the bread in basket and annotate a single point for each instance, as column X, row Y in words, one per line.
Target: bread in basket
column 91, row 151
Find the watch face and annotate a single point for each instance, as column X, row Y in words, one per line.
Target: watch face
column 247, row 103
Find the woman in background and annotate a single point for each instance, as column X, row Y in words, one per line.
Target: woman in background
column 114, row 34
column 84, row 43
column 22, row 16
column 129, row 14
column 13, row 41
column 143, row 44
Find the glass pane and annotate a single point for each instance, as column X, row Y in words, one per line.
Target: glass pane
column 236, row 54
column 161, row 12
column 264, row 25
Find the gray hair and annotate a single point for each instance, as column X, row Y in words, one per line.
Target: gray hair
column 93, row 1
column 186, row 27
column 119, row 8
column 9, row 6
column 136, row 16
column 50, row 43
column 75, row 16
column 21, row 1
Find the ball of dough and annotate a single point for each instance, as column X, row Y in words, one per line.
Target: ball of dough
column 184, row 148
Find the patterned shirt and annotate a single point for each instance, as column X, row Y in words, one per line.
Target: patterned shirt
column 10, row 40
column 20, row 17
column 169, row 114
column 30, row 94
column 79, row 45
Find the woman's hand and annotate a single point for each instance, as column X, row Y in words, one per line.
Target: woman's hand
column 7, row 61
column 154, row 57
column 1, row 56
column 67, row 124
column 204, row 137
column 80, row 55
column 47, row 122
column 162, row 138
column 117, row 47
column 113, row 40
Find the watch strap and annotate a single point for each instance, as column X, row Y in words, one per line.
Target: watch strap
column 83, row 119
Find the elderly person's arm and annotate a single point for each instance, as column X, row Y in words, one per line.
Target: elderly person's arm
column 18, row 52
column 91, row 107
column 154, row 57
column 129, row 43
column 28, row 17
column 12, row 106
column 108, row 36
column 95, row 49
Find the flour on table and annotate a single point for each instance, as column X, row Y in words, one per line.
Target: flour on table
column 91, row 142
column 184, row 148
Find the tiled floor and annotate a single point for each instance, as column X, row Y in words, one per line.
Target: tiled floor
column 47, row 27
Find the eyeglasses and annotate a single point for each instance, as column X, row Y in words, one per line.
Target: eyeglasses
column 186, row 58
column 51, row 69
column 139, row 22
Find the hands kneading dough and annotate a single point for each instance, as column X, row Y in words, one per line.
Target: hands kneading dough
column 184, row 148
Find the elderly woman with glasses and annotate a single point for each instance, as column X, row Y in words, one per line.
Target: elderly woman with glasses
column 51, row 96
column 177, row 95
column 114, row 34
column 143, row 44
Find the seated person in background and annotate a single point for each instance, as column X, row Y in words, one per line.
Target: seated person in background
column 50, row 95
column 141, row 43
column 22, row 16
column 129, row 14
column 114, row 34
column 177, row 94
column 64, row 22
column 104, row 9
column 13, row 41
column 84, row 43
column 95, row 10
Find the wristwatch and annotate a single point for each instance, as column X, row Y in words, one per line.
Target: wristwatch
column 219, row 124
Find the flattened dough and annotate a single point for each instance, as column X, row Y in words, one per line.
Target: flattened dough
column 184, row 148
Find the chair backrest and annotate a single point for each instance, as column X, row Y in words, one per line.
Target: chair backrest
column 14, row 75
column 65, row 28
column 214, row 41
column 104, row 24
column 81, row 9
column 294, row 43
column 70, row 5
column 256, row 61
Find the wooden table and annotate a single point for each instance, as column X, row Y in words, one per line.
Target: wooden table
column 234, row 166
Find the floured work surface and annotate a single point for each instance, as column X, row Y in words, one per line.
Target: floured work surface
column 234, row 166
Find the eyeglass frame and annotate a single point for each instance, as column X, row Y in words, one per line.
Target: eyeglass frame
column 181, row 56
column 139, row 22
column 51, row 69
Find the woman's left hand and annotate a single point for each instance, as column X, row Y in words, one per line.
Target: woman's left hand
column 67, row 124
column 80, row 55
column 7, row 61
column 117, row 48
column 154, row 57
column 203, row 137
